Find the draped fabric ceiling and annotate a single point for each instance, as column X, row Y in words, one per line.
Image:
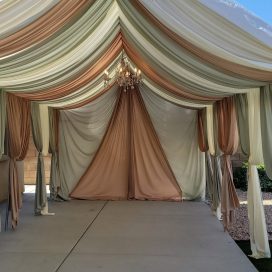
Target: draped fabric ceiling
column 54, row 52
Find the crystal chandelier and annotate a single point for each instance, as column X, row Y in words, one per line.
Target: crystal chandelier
column 125, row 76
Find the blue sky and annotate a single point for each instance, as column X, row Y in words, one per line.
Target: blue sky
column 262, row 8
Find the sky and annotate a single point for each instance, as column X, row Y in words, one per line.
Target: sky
column 262, row 8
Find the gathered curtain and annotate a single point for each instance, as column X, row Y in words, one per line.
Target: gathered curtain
column 40, row 130
column 214, row 171
column 266, row 126
column 204, row 147
column 18, row 124
column 172, row 19
column 44, row 27
column 53, row 150
column 202, row 130
column 228, row 141
column 257, row 225
column 241, row 102
column 130, row 162
column 2, row 121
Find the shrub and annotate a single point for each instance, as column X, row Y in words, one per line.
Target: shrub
column 240, row 178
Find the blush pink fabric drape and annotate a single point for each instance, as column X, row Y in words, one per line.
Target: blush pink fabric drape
column 130, row 162
column 228, row 141
column 201, row 133
column 18, row 123
column 63, row 13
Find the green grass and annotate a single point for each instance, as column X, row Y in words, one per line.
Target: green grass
column 262, row 265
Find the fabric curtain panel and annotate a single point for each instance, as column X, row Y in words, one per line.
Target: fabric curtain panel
column 202, row 130
column 47, row 25
column 107, row 175
column 176, row 128
column 242, row 118
column 53, row 150
column 266, row 126
column 80, row 134
column 167, row 18
column 18, row 124
column 151, row 176
column 212, row 139
column 257, row 225
column 118, row 170
column 2, row 121
column 40, row 195
column 81, row 80
column 228, row 141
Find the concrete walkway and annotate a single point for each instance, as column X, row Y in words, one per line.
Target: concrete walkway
column 120, row 236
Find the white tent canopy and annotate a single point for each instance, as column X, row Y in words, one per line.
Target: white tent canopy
column 196, row 59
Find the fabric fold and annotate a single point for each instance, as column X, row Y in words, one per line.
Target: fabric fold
column 40, row 205
column 151, row 175
column 266, row 126
column 257, row 225
column 53, row 149
column 18, row 118
column 228, row 140
column 2, row 121
column 107, row 175
column 130, row 162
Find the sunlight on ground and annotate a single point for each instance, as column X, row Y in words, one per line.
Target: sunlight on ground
column 265, row 202
column 30, row 189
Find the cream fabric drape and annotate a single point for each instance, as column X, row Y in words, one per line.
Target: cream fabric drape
column 215, row 160
column 192, row 20
column 81, row 131
column 130, row 162
column 243, row 18
column 266, row 126
column 257, row 224
column 40, row 132
column 16, row 14
column 2, row 121
column 18, row 127
column 177, row 130
column 242, row 118
column 53, row 150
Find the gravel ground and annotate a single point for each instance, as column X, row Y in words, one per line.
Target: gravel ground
column 239, row 230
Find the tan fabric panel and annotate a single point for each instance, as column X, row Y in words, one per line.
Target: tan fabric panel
column 202, row 134
column 18, row 118
column 222, row 64
column 84, row 78
column 228, row 140
column 43, row 27
column 151, row 175
column 130, row 162
column 161, row 81
column 107, row 175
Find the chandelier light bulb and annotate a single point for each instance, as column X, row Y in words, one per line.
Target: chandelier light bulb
column 126, row 76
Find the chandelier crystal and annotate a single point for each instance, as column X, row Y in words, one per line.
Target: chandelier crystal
column 125, row 76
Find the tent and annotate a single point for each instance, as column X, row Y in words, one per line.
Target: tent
column 206, row 89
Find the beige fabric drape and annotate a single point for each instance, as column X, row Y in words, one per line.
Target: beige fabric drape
column 53, row 149
column 40, row 194
column 159, row 79
column 2, row 121
column 228, row 140
column 257, row 225
column 18, row 123
column 224, row 65
column 81, row 80
column 44, row 27
column 130, row 162
column 202, row 130
column 107, row 175
column 151, row 175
